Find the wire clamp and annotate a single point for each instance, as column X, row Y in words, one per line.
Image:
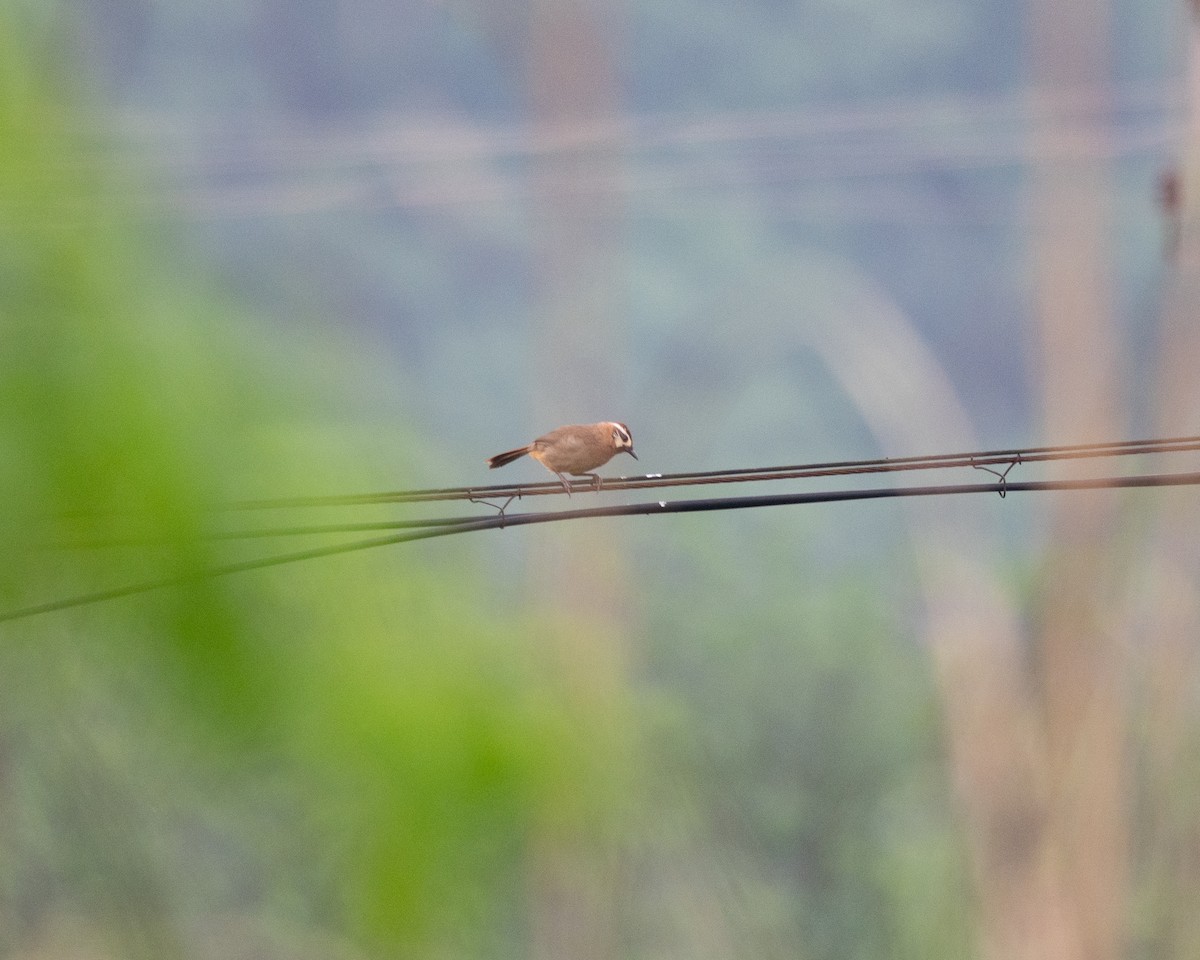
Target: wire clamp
column 498, row 507
column 1002, row 486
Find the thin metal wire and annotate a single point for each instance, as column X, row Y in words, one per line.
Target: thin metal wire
column 266, row 533
column 795, row 471
column 620, row 510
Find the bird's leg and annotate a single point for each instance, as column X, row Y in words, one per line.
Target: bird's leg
column 596, row 480
column 565, row 482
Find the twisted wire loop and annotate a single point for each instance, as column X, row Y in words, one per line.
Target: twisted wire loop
column 1002, row 476
column 498, row 507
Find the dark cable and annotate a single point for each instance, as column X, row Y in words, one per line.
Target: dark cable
column 264, row 533
column 796, row 471
column 1008, row 459
column 620, row 510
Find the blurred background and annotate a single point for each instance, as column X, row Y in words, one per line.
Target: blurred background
column 264, row 249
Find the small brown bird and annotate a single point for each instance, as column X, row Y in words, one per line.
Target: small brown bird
column 577, row 449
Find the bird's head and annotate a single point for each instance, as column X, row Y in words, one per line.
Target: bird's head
column 622, row 439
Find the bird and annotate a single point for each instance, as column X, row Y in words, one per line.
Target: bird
column 578, row 449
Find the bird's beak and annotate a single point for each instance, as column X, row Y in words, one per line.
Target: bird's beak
column 631, row 453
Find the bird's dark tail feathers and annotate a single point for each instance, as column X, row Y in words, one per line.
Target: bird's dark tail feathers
column 508, row 456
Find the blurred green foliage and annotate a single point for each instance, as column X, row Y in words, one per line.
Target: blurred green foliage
column 358, row 751
column 350, row 749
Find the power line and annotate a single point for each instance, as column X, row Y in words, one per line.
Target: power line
column 266, row 533
column 391, row 161
column 391, row 138
column 978, row 459
column 468, row 525
column 981, row 460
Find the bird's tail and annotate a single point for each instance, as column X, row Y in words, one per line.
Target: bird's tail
column 508, row 456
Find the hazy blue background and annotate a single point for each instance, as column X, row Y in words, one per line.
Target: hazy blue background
column 338, row 218
column 366, row 168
